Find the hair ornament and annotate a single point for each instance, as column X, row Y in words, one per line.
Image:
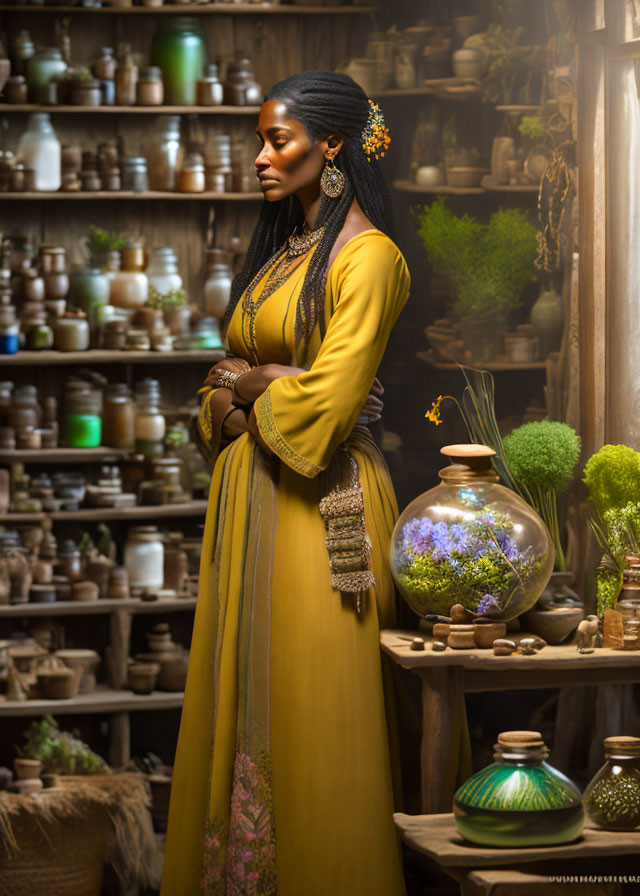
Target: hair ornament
column 375, row 136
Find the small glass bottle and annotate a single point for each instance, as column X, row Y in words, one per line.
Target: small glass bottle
column 126, row 77
column 104, row 67
column 612, row 798
column 9, row 331
column 39, row 151
column 149, row 89
column 119, row 417
column 163, row 153
column 191, row 176
column 163, row 270
column 144, row 558
column 83, row 423
column 209, row 88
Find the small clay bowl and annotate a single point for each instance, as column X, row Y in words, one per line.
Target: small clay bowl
column 42, row 594
column 27, row 768
column 461, row 637
column 142, row 677
column 85, row 591
column 485, row 633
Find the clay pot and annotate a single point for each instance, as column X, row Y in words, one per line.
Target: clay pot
column 160, row 791
column 118, row 584
column 461, row 637
column 85, row 663
column 85, row 591
column 142, row 677
column 441, row 631
column 42, row 572
column 61, row 684
column 554, row 625
column 28, row 786
column 43, row 594
column 27, row 768
column 98, row 570
column 485, row 633
column 173, row 672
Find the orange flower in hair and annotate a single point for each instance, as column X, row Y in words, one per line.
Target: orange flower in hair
column 375, row 136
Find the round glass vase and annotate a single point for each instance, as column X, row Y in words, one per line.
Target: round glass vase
column 471, row 541
column 612, row 798
column 519, row 801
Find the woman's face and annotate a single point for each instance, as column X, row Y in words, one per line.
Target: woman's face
column 289, row 160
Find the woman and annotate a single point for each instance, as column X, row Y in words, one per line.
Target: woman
column 283, row 777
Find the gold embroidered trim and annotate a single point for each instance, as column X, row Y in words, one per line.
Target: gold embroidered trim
column 204, row 418
column 276, row 441
column 348, row 544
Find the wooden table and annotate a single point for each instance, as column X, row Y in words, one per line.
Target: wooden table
column 484, row 870
column 446, row 676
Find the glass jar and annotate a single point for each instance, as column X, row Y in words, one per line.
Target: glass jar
column 162, row 272
column 16, row 90
column 144, row 558
column 240, row 86
column 88, row 287
column 129, row 287
column 219, row 173
column 104, row 68
column 126, row 77
column 85, row 93
column 149, row 89
column 209, row 88
column 191, row 176
column 206, row 334
column 134, row 174
column 176, row 564
column 519, row 801
column 217, row 284
column 472, row 541
column 83, row 424
column 150, row 430
column 23, row 49
column 42, row 69
column 71, row 334
column 9, row 339
column 163, row 153
column 612, row 798
column 39, row 151
column 119, row 417
column 180, row 49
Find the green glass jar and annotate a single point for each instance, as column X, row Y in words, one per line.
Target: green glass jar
column 180, row 50
column 519, row 800
column 612, row 799
column 83, row 430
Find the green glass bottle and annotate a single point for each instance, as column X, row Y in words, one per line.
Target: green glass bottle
column 519, row 800
column 180, row 49
column 612, row 798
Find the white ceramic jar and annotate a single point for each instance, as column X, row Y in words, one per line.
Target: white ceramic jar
column 144, row 558
column 39, row 149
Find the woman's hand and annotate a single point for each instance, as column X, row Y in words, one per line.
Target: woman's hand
column 235, row 423
column 233, row 365
column 252, row 429
column 374, row 405
column 252, row 384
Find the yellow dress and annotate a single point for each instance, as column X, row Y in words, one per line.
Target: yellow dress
column 330, row 730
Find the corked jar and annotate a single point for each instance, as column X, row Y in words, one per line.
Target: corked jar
column 612, row 798
column 519, row 800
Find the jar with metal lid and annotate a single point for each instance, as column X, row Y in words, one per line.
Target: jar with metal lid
column 163, row 153
column 144, row 558
column 191, row 176
column 209, row 88
column 612, row 798
column 163, row 270
column 126, row 77
column 519, row 801
column 149, row 89
column 119, row 417
column 104, row 68
column 85, row 92
column 134, row 174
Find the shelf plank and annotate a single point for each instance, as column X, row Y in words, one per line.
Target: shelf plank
column 232, row 9
column 157, row 511
column 122, row 196
column 406, row 186
column 102, row 700
column 105, row 356
column 6, row 108
column 489, row 184
column 101, row 607
column 60, row 455
column 493, row 366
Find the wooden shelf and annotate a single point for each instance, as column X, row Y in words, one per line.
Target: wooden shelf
column 91, row 196
column 492, row 366
column 103, row 514
column 131, row 110
column 406, row 186
column 489, row 184
column 101, row 607
column 103, row 356
column 60, row 455
column 256, row 9
column 102, row 700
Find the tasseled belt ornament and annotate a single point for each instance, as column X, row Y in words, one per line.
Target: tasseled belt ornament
column 348, row 544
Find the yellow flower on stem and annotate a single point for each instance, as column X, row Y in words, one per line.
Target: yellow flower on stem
column 433, row 416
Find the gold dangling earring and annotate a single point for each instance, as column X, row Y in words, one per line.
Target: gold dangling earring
column 332, row 179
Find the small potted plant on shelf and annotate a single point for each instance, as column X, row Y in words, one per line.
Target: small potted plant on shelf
column 486, row 265
column 59, row 752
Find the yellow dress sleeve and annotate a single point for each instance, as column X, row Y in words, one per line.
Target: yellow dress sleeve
column 304, row 418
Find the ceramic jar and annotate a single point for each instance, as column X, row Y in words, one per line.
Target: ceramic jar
column 71, row 334
column 162, row 272
column 134, row 174
column 88, row 287
column 176, row 564
column 547, row 318
column 240, row 86
column 191, row 175
column 150, row 429
column 39, row 151
column 483, row 519
column 104, row 68
column 519, row 801
column 149, row 89
column 125, row 81
column 219, row 173
column 144, row 558
column 405, row 65
column 180, row 49
column 85, row 93
column 42, row 69
column 503, row 150
column 364, row 72
column 612, row 798
column 119, row 417
column 163, row 153
column 209, row 89
column 467, row 63
column 129, row 287
column 16, row 90
column 217, row 284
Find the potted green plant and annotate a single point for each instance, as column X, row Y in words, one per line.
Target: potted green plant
column 612, row 477
column 60, row 752
column 487, row 266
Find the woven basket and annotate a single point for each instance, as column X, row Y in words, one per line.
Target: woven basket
column 64, row 858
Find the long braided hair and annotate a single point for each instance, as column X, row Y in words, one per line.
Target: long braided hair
column 326, row 103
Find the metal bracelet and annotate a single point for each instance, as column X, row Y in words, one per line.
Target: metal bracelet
column 225, row 379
